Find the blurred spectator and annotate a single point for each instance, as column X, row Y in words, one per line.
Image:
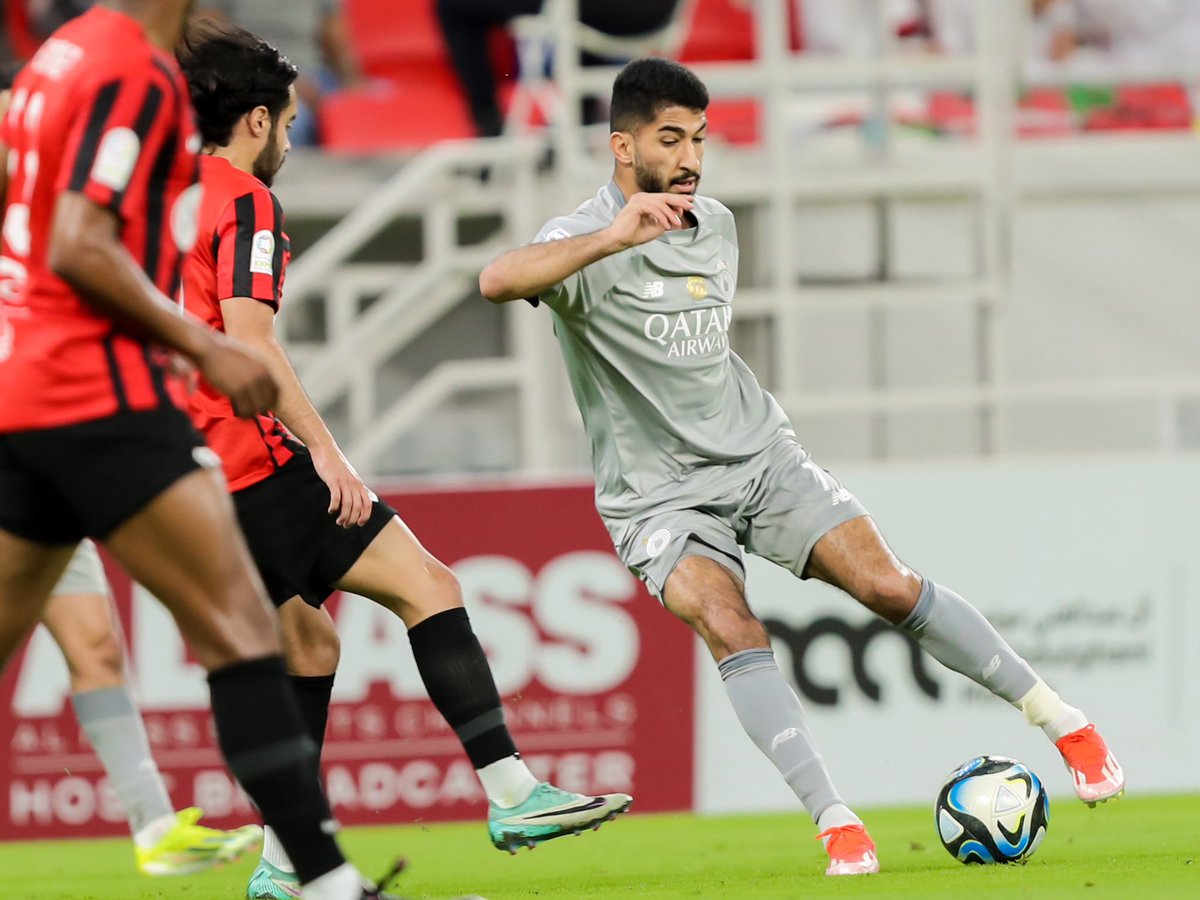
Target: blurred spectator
column 466, row 23
column 312, row 35
column 851, row 27
column 1115, row 34
column 46, row 16
column 1160, row 32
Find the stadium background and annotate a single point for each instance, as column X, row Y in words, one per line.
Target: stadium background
column 968, row 273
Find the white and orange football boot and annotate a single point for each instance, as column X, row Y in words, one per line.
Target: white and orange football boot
column 851, row 851
column 1095, row 772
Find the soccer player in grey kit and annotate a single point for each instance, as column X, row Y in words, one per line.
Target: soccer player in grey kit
column 694, row 460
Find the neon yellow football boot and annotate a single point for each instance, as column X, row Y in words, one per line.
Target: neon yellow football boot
column 189, row 847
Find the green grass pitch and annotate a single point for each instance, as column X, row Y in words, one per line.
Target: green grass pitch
column 1140, row 847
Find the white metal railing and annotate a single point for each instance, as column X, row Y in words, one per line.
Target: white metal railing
column 438, row 187
column 988, row 176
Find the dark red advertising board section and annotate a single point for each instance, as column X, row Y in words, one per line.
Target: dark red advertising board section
column 597, row 681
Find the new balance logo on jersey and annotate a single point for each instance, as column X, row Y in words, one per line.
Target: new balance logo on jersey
column 837, row 493
column 653, row 290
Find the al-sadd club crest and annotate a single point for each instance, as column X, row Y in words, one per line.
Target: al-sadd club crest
column 696, row 287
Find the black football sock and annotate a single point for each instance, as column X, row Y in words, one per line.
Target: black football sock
column 312, row 694
column 460, row 684
column 262, row 736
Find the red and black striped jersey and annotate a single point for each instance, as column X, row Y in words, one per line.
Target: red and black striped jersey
column 241, row 251
column 99, row 111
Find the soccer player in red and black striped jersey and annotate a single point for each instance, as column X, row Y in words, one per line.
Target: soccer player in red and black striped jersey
column 311, row 523
column 80, row 617
column 98, row 183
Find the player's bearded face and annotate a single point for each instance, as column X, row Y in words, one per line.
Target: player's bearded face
column 662, row 178
column 270, row 160
column 667, row 153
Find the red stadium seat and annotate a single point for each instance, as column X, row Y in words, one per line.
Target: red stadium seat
column 718, row 30
column 395, row 38
column 723, row 30
column 416, row 99
column 400, row 116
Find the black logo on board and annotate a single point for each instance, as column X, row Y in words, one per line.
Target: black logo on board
column 825, row 688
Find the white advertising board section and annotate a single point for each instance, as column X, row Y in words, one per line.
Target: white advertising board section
column 1090, row 569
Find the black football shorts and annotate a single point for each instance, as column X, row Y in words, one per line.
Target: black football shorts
column 297, row 544
column 59, row 485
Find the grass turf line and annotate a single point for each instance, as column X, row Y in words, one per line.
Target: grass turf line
column 1138, row 847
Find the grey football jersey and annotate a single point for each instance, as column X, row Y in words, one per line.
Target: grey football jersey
column 670, row 410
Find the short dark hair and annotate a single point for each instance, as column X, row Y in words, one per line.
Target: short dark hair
column 645, row 87
column 231, row 71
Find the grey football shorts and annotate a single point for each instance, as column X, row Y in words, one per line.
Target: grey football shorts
column 84, row 573
column 778, row 514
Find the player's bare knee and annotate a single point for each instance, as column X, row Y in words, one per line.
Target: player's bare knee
column 725, row 624
column 447, row 591
column 326, row 648
column 234, row 625
column 439, row 591
column 95, row 661
column 318, row 652
column 892, row 593
column 106, row 658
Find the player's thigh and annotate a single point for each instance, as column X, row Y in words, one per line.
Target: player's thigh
column 185, row 547
column 856, row 558
column 654, row 546
column 310, row 641
column 396, row 571
column 796, row 504
column 707, row 595
column 28, row 572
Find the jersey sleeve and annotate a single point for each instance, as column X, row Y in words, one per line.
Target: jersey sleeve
column 248, row 247
column 120, row 136
column 579, row 291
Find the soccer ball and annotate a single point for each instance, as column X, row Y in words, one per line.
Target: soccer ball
column 992, row 809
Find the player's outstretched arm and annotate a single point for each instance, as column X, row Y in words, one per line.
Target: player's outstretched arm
column 533, row 269
column 87, row 253
column 253, row 322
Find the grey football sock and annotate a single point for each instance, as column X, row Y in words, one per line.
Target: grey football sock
column 114, row 726
column 957, row 635
column 771, row 713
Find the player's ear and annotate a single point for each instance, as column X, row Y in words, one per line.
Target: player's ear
column 259, row 120
column 621, row 143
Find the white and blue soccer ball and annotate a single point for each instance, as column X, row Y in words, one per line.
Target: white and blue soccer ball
column 992, row 809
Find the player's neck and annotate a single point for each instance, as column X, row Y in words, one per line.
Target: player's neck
column 162, row 22
column 236, row 155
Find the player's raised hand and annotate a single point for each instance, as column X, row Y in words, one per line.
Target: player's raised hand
column 646, row 216
column 239, row 373
column 349, row 499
